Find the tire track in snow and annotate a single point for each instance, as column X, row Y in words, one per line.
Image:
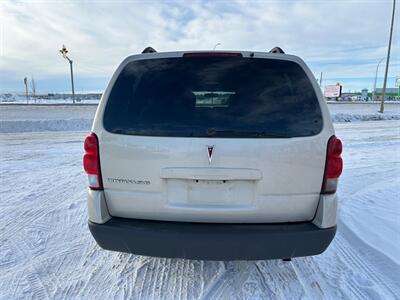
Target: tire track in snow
column 281, row 279
column 355, row 262
column 349, row 284
column 206, row 294
column 308, row 279
column 37, row 288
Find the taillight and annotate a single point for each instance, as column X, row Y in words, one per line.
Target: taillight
column 91, row 162
column 333, row 166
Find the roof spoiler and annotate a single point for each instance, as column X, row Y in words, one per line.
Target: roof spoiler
column 276, row 50
column 149, row 50
column 273, row 50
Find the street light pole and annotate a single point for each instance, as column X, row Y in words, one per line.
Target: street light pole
column 387, row 60
column 376, row 76
column 216, row 45
column 64, row 52
column 72, row 80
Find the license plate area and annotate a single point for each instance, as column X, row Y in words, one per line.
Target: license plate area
column 216, row 193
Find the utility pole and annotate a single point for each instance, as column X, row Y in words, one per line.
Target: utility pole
column 320, row 80
column 26, row 89
column 64, row 52
column 376, row 76
column 387, row 60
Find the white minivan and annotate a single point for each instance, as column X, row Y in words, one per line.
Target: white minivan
column 214, row 155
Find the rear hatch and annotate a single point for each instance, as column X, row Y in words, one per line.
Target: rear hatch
column 212, row 138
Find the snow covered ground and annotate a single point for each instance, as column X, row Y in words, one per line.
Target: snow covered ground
column 362, row 111
column 11, row 98
column 46, row 250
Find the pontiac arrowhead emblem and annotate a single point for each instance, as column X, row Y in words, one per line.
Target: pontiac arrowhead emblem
column 210, row 150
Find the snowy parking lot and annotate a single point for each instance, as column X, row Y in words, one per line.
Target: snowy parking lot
column 46, row 250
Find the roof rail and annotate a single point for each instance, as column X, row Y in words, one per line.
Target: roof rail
column 276, row 50
column 149, row 50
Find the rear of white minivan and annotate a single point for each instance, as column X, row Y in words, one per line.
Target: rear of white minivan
column 213, row 155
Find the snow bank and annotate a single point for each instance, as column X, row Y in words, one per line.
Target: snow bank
column 346, row 117
column 45, row 125
column 37, row 118
column 7, row 126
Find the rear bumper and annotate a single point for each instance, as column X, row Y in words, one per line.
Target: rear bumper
column 211, row 241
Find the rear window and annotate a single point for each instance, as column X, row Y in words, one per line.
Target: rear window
column 213, row 97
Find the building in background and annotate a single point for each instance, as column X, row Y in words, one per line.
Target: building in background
column 393, row 91
column 364, row 94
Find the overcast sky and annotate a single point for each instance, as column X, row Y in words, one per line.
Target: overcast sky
column 343, row 39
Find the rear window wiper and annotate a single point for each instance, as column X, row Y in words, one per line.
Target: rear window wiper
column 244, row 133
